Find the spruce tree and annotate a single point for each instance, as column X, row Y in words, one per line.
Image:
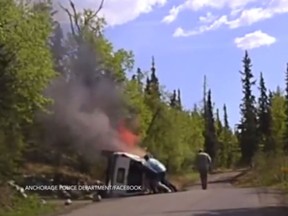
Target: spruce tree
column 179, row 102
column 218, row 124
column 147, row 86
column 139, row 76
column 220, row 143
column 226, row 123
column 173, row 99
column 152, row 89
column 264, row 116
column 227, row 142
column 154, row 82
column 248, row 138
column 210, row 143
column 204, row 96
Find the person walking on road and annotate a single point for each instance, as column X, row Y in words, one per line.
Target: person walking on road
column 203, row 164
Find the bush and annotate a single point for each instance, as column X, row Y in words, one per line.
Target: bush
column 11, row 204
column 270, row 169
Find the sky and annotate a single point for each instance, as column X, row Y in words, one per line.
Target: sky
column 193, row 38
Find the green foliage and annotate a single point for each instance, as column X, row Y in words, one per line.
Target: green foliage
column 26, row 69
column 270, row 169
column 175, row 100
column 278, row 119
column 137, row 105
column 25, row 38
column 31, row 206
column 227, row 143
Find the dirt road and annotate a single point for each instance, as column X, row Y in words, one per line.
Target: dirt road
column 221, row 198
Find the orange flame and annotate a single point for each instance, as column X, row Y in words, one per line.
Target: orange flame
column 130, row 140
column 127, row 137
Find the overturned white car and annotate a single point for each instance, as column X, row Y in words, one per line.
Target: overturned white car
column 125, row 174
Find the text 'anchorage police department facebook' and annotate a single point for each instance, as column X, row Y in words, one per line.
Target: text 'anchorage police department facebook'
column 81, row 187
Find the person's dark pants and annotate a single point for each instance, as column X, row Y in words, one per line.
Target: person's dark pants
column 204, row 178
column 162, row 177
column 152, row 178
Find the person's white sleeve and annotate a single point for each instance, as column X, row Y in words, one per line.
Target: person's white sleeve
column 209, row 158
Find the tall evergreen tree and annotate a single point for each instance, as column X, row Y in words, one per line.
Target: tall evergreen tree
column 147, row 86
column 218, row 124
column 154, row 82
column 210, row 137
column 173, row 99
column 226, row 123
column 248, row 138
column 138, row 77
column 227, row 139
column 220, row 144
column 264, row 116
column 204, row 95
column 179, row 102
column 152, row 89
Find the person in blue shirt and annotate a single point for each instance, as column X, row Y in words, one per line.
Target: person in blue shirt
column 160, row 170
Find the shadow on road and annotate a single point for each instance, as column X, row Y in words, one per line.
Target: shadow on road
column 219, row 177
column 267, row 211
column 224, row 177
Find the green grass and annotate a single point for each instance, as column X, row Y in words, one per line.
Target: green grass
column 268, row 172
column 31, row 206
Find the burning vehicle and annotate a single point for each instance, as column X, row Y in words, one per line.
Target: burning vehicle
column 124, row 170
column 127, row 170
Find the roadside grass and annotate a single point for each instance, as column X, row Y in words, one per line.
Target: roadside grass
column 33, row 206
column 247, row 180
column 30, row 206
column 183, row 180
column 12, row 203
column 269, row 171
